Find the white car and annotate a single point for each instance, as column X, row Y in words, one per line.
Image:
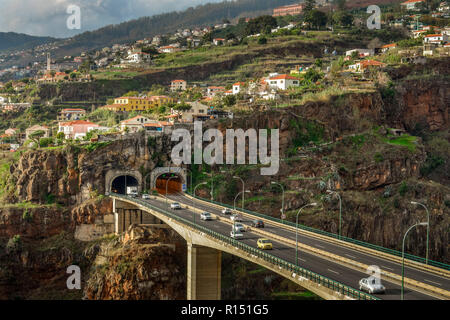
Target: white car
column 236, row 218
column 175, row 206
column 236, row 234
column 371, row 285
column 145, row 196
column 206, row 216
column 239, row 227
column 226, row 211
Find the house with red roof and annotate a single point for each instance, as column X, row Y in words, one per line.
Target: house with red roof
column 388, row 47
column 435, row 38
column 71, row 114
column 178, row 85
column 411, row 4
column 76, row 129
column 237, row 87
column 282, row 81
column 363, row 65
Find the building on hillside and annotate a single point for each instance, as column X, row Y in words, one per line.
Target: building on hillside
column 12, row 132
column 411, row 4
column 71, row 114
column 362, row 52
column 214, row 90
column 158, row 126
column 137, row 58
column 76, row 129
column 362, row 66
column 29, row 131
column 218, row 41
column 168, row 49
column 237, row 87
column 388, row 47
column 282, row 81
column 178, row 85
column 293, row 9
column 138, row 103
column 135, row 124
column 198, row 111
column 435, row 38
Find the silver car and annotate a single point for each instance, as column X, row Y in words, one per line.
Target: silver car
column 175, row 206
column 239, row 227
column 371, row 285
column 206, row 216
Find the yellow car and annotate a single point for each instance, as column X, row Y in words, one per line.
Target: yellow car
column 265, row 244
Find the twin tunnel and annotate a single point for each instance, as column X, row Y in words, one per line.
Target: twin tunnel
column 171, row 182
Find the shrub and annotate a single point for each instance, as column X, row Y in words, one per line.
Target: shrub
column 27, row 216
column 403, row 189
column 378, row 157
column 14, row 244
column 45, row 142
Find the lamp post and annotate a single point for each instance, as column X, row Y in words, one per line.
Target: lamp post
column 403, row 253
column 282, row 200
column 243, row 188
column 428, row 226
column 296, row 230
column 234, row 205
column 167, row 187
column 193, row 197
column 340, row 211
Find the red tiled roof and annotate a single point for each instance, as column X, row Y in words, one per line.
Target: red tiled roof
column 134, row 118
column 392, row 45
column 72, row 123
column 433, row 35
column 284, row 77
column 176, row 81
column 411, row 1
column 69, row 109
column 367, row 63
column 239, row 84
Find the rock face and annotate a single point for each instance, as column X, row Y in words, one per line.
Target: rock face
column 141, row 269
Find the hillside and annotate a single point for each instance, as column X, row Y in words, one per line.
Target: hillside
column 18, row 41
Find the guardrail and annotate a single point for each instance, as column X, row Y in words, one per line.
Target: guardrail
column 312, row 276
column 332, row 235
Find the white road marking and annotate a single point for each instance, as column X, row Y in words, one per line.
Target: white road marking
column 384, row 267
column 302, row 259
column 318, row 245
column 333, row 271
column 433, row 282
column 349, row 255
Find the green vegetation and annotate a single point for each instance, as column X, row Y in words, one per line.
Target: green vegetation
column 306, row 132
column 405, row 141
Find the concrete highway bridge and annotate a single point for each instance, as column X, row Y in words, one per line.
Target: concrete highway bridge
column 329, row 267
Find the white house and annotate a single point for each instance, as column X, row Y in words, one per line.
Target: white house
column 237, row 87
column 435, row 38
column 282, row 82
column 138, row 57
column 411, row 4
column 218, row 41
column 362, row 52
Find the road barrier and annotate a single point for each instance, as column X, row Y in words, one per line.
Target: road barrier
column 335, row 236
column 312, row 276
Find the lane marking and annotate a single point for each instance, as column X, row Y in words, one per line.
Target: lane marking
column 333, row 271
column 433, row 282
column 318, row 245
column 302, row 259
column 384, row 267
column 349, row 255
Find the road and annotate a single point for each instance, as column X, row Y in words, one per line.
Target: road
column 330, row 269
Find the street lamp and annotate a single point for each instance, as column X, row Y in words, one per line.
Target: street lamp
column 282, row 200
column 167, row 186
column 234, row 204
column 428, row 226
column 296, row 230
column 340, row 211
column 243, row 188
column 193, row 196
column 403, row 252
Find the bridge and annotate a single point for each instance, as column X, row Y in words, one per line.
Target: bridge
column 328, row 267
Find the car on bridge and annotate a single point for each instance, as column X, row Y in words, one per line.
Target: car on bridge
column 226, row 211
column 239, row 227
column 257, row 224
column 236, row 218
column 175, row 206
column 265, row 244
column 146, row 196
column 206, row 216
column 236, row 234
column 371, row 285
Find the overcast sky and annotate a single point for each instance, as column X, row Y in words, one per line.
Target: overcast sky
column 49, row 17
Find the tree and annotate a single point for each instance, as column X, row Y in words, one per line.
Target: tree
column 260, row 25
column 342, row 18
column 374, row 43
column 229, row 101
column 309, row 6
column 316, row 18
column 262, row 40
column 36, row 136
column 182, row 107
column 340, row 4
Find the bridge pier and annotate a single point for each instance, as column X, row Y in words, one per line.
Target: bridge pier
column 204, row 268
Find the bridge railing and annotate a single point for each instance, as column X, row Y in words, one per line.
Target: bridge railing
column 332, row 235
column 319, row 279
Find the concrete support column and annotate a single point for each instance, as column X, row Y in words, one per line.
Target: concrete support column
column 204, row 267
column 116, row 218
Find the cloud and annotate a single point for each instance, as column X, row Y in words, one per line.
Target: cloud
column 49, row 17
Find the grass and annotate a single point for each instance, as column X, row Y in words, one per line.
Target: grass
column 407, row 141
column 303, row 295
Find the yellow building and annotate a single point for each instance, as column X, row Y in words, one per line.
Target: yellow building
column 138, row 104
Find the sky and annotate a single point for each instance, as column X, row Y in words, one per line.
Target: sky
column 50, row 17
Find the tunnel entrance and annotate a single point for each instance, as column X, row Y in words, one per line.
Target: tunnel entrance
column 174, row 185
column 120, row 184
